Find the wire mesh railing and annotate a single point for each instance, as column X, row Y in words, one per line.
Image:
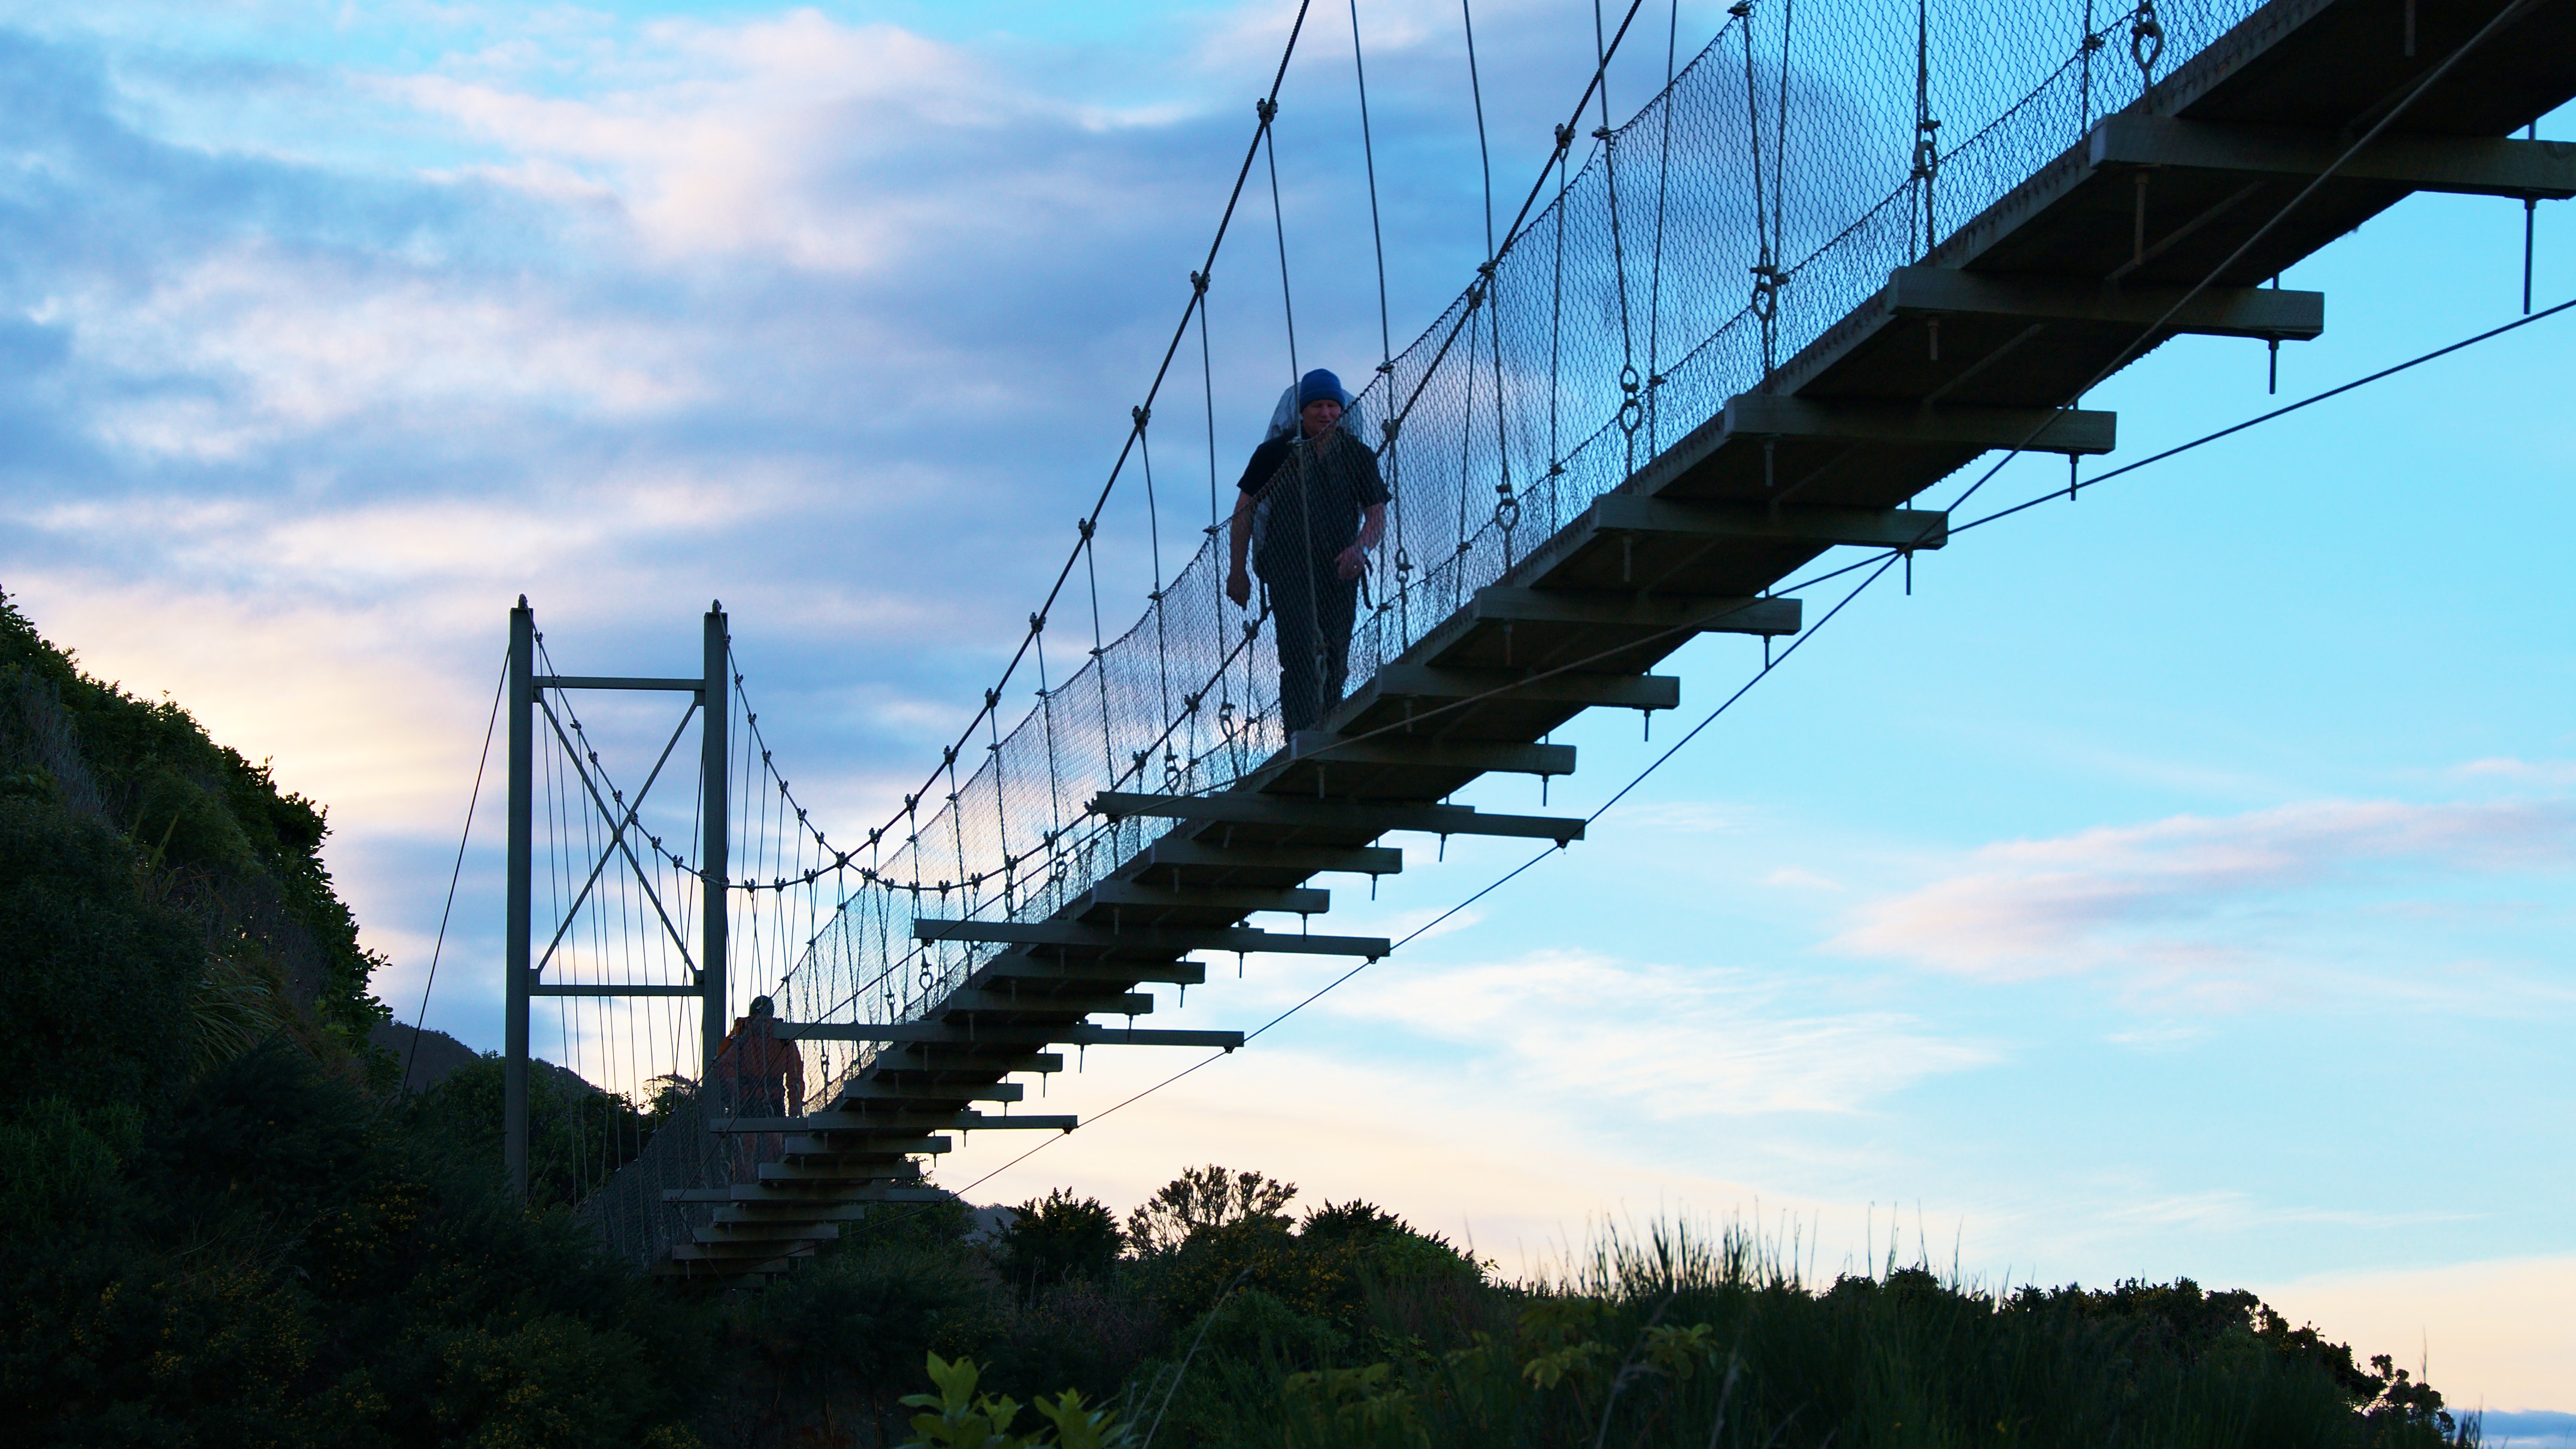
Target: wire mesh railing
column 1621, row 315
column 1766, row 191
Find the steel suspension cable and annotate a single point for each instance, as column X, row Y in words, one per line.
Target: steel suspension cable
column 1655, row 285
column 1225, row 221
column 1879, row 564
column 2396, row 107
column 1368, row 153
column 1631, row 406
column 1207, row 381
column 455, row 873
column 1476, row 91
column 1436, row 921
column 1279, row 223
column 2232, row 429
column 1606, row 50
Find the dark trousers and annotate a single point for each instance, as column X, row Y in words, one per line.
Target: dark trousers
column 1311, row 609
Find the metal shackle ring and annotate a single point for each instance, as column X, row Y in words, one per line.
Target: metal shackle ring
column 2146, row 38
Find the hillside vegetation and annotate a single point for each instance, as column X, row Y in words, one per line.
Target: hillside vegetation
column 222, row 1222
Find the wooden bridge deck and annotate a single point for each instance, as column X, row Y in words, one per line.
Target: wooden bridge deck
column 1978, row 348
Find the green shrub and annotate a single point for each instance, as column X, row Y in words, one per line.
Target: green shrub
column 1059, row 1236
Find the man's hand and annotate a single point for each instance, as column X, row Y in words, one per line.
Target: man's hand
column 1352, row 561
column 1238, row 587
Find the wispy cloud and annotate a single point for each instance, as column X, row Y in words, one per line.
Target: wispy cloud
column 2192, row 897
column 1724, row 1043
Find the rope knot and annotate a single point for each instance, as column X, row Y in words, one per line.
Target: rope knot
column 1601, row 133
column 1267, row 110
column 1564, row 138
column 1199, row 283
column 1085, row 526
column 1142, row 415
column 1741, row 9
column 1037, row 623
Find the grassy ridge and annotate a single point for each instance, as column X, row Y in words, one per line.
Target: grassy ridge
column 215, row 1226
column 1677, row 1340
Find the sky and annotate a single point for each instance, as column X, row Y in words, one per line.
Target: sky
column 2175, row 882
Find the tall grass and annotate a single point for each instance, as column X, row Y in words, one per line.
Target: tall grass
column 1712, row 1340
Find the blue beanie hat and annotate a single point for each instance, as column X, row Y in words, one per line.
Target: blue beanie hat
column 1318, row 385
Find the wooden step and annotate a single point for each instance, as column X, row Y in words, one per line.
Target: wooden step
column 1243, row 808
column 1149, row 940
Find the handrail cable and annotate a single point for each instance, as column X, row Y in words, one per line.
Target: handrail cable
column 1884, row 560
column 2396, row 108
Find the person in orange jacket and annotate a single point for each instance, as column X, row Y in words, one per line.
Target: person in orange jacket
column 757, row 1074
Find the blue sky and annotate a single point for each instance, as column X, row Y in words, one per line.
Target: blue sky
column 2175, row 883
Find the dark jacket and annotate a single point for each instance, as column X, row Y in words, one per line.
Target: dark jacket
column 1310, row 498
column 753, row 1062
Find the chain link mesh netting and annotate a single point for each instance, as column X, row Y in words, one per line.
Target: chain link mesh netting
column 1797, row 160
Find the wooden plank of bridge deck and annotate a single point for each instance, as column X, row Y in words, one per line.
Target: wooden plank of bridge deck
column 1130, row 894
column 1269, row 859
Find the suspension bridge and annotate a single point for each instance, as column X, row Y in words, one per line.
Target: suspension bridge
column 1844, row 254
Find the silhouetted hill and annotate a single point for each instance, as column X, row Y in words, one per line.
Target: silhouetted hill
column 430, row 1056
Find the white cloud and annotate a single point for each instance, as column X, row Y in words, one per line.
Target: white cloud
column 1722, row 1042
column 2190, row 899
column 795, row 137
column 281, row 346
column 2504, row 768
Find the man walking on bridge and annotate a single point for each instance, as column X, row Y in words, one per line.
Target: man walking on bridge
column 757, row 1075
column 1311, row 505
